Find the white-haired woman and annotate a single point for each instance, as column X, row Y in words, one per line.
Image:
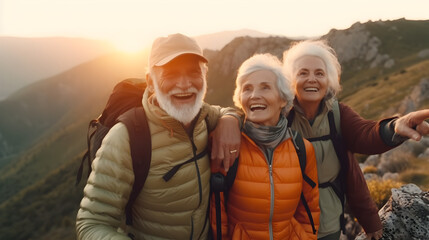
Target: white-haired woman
column 314, row 70
column 264, row 201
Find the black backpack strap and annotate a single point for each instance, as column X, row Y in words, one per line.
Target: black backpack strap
column 87, row 155
column 230, row 178
column 141, row 152
column 338, row 185
column 217, row 185
column 290, row 117
column 298, row 142
column 299, row 145
column 307, row 209
column 220, row 183
column 176, row 168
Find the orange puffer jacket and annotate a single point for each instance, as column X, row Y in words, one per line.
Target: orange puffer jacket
column 264, row 201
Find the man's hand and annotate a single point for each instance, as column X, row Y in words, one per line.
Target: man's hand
column 225, row 140
column 413, row 125
column 375, row 235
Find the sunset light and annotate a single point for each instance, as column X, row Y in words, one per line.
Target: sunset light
column 129, row 45
column 132, row 24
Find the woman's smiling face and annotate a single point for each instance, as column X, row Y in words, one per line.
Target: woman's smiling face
column 260, row 98
column 311, row 80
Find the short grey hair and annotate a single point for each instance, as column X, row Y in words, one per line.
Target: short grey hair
column 264, row 62
column 316, row 48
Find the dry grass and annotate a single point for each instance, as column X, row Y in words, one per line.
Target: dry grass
column 417, row 173
column 370, row 169
column 385, row 94
column 381, row 190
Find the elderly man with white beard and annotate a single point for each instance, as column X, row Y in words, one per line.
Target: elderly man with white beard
column 179, row 123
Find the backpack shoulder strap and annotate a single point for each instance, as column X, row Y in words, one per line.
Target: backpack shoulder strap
column 290, row 117
column 338, row 185
column 299, row 145
column 141, row 152
column 337, row 117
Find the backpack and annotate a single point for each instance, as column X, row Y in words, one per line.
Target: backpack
column 220, row 183
column 124, row 105
column 338, row 185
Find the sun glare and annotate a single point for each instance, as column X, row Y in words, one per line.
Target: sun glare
column 129, row 45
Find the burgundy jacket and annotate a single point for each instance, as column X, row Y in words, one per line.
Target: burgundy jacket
column 365, row 137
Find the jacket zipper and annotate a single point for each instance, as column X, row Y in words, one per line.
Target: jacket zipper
column 270, row 171
column 194, row 151
column 200, row 189
column 270, row 224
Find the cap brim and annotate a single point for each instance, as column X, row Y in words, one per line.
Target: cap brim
column 173, row 56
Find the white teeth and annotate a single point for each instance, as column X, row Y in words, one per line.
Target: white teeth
column 183, row 95
column 311, row 89
column 257, row 106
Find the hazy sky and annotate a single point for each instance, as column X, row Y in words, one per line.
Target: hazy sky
column 135, row 23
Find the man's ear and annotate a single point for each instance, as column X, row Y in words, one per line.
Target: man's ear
column 149, row 82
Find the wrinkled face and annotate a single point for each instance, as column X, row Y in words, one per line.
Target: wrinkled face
column 260, row 98
column 180, row 87
column 311, row 80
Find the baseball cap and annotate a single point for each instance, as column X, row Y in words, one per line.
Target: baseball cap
column 165, row 49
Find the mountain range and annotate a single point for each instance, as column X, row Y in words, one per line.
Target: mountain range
column 43, row 125
column 26, row 60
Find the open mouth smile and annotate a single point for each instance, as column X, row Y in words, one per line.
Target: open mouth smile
column 256, row 107
column 311, row 89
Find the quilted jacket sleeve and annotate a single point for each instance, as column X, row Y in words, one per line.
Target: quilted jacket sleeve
column 311, row 195
column 215, row 112
column 107, row 190
column 361, row 135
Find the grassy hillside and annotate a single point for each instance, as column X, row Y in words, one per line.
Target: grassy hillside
column 47, row 130
column 42, row 159
column 400, row 40
column 400, row 37
column 383, row 95
column 46, row 106
column 46, row 209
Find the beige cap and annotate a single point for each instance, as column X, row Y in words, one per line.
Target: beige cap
column 165, row 49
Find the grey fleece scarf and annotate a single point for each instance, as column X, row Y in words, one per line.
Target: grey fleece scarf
column 267, row 137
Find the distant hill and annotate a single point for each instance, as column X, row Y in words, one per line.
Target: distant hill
column 54, row 103
column 26, row 60
column 217, row 41
column 385, row 65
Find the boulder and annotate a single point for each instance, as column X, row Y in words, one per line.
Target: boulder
column 372, row 160
column 425, row 154
column 391, row 176
column 406, row 214
column 371, row 176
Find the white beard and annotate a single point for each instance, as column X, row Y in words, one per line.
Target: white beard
column 186, row 112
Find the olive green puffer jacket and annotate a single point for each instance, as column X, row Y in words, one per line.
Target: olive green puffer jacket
column 175, row 209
